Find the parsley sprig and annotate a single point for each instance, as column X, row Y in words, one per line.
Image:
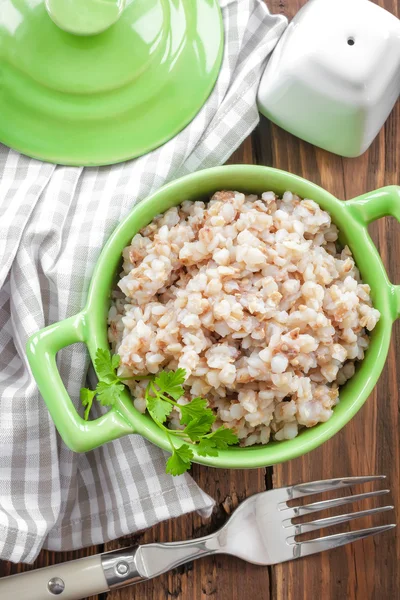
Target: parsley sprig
column 162, row 394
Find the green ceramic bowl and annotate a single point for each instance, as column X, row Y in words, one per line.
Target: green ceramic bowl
column 90, row 325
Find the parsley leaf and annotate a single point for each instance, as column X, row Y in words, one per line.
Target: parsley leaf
column 199, row 427
column 170, row 382
column 159, row 409
column 196, row 408
column 218, row 440
column 105, row 365
column 115, row 361
column 180, row 461
column 223, row 437
column 206, row 448
column 86, row 397
column 108, row 393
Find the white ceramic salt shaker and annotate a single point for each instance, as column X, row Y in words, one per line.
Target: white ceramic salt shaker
column 334, row 75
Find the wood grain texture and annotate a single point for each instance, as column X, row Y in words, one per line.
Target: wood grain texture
column 367, row 570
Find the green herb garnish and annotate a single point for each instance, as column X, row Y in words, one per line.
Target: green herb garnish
column 162, row 393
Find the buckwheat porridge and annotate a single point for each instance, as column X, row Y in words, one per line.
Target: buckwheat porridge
column 253, row 297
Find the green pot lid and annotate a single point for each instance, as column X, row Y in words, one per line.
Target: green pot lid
column 94, row 82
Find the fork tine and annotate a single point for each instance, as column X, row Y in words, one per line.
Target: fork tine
column 298, row 511
column 326, row 485
column 334, row 541
column 336, row 520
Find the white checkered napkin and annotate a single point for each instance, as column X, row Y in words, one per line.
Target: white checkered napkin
column 53, row 223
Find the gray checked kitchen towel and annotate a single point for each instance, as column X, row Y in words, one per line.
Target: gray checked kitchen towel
column 54, row 221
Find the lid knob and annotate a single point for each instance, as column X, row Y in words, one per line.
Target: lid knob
column 85, row 17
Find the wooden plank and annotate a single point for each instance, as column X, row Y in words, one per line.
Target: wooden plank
column 370, row 443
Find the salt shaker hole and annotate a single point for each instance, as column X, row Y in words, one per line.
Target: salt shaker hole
column 351, row 41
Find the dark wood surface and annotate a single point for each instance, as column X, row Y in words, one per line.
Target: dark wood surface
column 366, row 570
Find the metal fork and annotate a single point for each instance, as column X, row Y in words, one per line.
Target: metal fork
column 260, row 531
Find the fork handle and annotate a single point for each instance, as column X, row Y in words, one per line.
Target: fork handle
column 71, row 580
column 93, row 575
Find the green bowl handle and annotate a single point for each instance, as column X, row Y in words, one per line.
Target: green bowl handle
column 375, row 205
column 79, row 435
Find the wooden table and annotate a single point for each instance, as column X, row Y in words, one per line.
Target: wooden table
column 367, row 570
